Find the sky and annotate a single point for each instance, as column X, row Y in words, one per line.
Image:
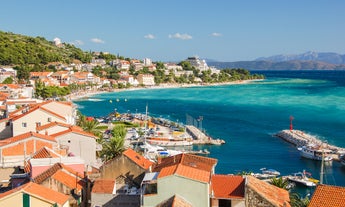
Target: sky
column 162, row 30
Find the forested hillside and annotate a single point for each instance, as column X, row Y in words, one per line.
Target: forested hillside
column 18, row 49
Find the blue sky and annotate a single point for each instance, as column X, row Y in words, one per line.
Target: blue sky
column 223, row 30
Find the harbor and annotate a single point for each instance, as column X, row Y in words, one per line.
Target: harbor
column 300, row 139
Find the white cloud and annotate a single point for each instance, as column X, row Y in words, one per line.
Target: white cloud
column 216, row 34
column 77, row 42
column 97, row 40
column 149, row 36
column 57, row 41
column 180, row 36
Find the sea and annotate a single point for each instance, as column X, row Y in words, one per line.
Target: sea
column 247, row 116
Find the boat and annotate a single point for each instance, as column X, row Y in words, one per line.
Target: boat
column 152, row 152
column 270, row 171
column 266, row 173
column 315, row 152
column 168, row 142
column 303, row 178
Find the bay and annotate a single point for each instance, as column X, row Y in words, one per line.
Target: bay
column 247, row 116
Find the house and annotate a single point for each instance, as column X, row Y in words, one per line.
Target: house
column 184, row 176
column 61, row 76
column 54, row 127
column 105, row 193
column 7, row 73
column 79, row 143
column 146, row 79
column 29, row 118
column 261, row 193
column 227, row 190
column 130, row 165
column 130, row 79
column 14, row 150
column 45, row 157
column 63, row 179
column 328, row 196
column 32, row 194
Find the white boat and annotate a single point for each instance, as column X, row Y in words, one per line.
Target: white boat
column 270, row 171
column 166, row 142
column 152, row 152
column 315, row 152
column 266, row 173
column 302, row 178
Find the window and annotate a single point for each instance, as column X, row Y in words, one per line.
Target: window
column 49, row 119
column 24, row 124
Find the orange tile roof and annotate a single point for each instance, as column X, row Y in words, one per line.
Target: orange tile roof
column 50, row 172
column 274, row 195
column 228, row 186
column 52, row 124
column 40, row 73
column 103, row 186
column 25, row 136
column 45, row 152
column 39, row 191
column 190, row 166
column 138, row 159
column 74, row 129
column 36, row 108
column 174, row 201
column 328, row 196
column 12, row 86
column 73, row 182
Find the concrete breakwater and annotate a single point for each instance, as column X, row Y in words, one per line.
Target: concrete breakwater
column 201, row 138
column 299, row 138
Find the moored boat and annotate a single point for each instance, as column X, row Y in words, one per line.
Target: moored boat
column 303, row 178
column 166, row 142
column 315, row 152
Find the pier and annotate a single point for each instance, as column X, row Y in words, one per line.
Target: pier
column 200, row 137
column 299, row 138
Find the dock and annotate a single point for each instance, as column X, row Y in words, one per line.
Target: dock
column 299, row 138
column 200, row 137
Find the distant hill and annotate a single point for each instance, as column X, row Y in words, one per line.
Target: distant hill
column 327, row 57
column 284, row 65
column 16, row 49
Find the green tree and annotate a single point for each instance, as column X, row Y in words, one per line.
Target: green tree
column 115, row 146
column 280, row 182
column 8, row 80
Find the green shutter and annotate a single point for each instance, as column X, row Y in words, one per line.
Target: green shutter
column 26, row 200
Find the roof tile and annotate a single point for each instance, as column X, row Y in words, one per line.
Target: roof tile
column 228, row 186
column 328, row 196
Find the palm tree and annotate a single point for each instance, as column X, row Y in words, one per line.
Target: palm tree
column 280, row 182
column 115, row 146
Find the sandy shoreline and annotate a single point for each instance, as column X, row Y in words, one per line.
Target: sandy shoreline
column 85, row 94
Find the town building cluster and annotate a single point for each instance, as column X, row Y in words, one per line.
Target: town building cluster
column 46, row 160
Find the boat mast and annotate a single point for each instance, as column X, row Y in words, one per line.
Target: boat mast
column 321, row 171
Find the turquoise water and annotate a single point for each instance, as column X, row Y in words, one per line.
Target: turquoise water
column 246, row 116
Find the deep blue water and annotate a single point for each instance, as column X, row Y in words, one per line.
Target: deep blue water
column 247, row 116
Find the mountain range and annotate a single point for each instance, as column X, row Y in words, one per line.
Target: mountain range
column 307, row 60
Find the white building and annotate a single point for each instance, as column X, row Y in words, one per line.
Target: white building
column 198, row 63
column 146, row 79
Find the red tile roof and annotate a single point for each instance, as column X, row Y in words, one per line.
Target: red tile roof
column 76, row 130
column 45, row 152
column 40, row 192
column 24, row 136
column 64, row 175
column 190, row 166
column 276, row 196
column 175, row 201
column 36, row 108
column 52, row 124
column 103, row 186
column 228, row 186
column 138, row 159
column 328, row 196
